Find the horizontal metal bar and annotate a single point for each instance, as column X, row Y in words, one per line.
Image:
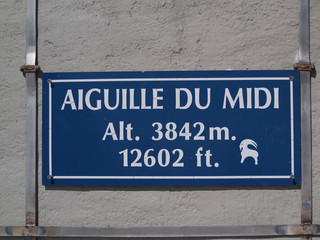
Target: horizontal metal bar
column 294, row 230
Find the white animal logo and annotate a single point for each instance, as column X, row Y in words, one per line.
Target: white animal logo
column 247, row 152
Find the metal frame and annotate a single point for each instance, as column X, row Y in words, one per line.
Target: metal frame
column 306, row 229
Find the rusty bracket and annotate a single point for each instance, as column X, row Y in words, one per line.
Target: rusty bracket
column 306, row 67
column 307, row 229
column 31, row 231
column 30, row 68
column 25, row 231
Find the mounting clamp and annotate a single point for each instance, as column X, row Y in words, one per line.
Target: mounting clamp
column 29, row 68
column 306, row 67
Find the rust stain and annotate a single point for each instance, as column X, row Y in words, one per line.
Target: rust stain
column 30, row 220
column 302, row 230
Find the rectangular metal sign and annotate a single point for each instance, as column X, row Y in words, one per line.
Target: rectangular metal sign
column 171, row 128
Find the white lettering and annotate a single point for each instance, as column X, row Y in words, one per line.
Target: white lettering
column 110, row 131
column 143, row 99
column 132, row 106
column 257, row 96
column 232, row 102
column 155, row 98
column 124, row 98
column 107, row 101
column 69, row 100
column 87, row 100
column 80, row 99
column 276, row 98
column 197, row 98
column 249, row 98
column 189, row 98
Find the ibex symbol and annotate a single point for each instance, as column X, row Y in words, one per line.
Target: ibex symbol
column 247, row 152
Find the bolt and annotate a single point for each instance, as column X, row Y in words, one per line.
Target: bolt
column 50, row 82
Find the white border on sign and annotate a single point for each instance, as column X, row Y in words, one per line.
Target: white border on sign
column 172, row 177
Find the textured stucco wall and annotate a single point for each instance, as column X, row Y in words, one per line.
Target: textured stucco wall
column 79, row 35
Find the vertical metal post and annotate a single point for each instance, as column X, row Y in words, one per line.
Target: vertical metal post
column 32, row 131
column 306, row 149
column 304, row 31
column 306, row 135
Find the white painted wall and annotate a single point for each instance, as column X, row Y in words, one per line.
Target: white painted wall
column 113, row 35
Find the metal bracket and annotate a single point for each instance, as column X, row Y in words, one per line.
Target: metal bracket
column 308, row 229
column 306, row 67
column 30, row 68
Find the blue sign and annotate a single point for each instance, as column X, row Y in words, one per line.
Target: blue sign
column 171, row 128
